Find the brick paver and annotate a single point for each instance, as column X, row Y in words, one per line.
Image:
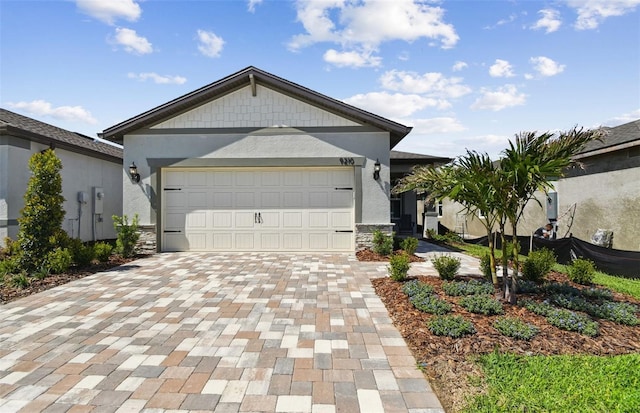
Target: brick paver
column 211, row 332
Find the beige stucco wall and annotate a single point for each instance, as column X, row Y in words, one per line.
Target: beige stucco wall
column 608, row 200
column 79, row 173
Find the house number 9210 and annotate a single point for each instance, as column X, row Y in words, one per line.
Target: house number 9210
column 347, row 161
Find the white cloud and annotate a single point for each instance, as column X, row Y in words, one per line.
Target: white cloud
column 550, row 20
column 546, row 67
column 210, row 44
column 593, row 12
column 351, row 59
column 459, row 65
column 252, row 5
column 132, row 42
column 624, row 118
column 502, row 22
column 431, row 83
column 436, row 125
column 504, row 97
column 364, row 25
column 159, row 79
column 109, row 11
column 501, row 68
column 66, row 113
column 395, row 105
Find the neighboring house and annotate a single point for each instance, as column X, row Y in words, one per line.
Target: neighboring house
column 254, row 162
column 408, row 208
column 603, row 194
column 91, row 176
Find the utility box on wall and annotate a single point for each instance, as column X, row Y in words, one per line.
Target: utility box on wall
column 552, row 206
column 98, row 200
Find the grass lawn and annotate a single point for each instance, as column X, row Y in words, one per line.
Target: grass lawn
column 559, row 384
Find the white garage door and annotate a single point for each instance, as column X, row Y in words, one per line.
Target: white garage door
column 258, row 209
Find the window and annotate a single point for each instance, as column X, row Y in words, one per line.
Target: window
column 396, row 208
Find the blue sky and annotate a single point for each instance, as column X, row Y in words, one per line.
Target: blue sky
column 465, row 74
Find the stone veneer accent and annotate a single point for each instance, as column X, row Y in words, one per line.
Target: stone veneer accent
column 364, row 234
column 147, row 242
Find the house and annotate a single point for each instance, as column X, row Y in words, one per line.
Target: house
column 91, row 176
column 256, row 162
column 602, row 194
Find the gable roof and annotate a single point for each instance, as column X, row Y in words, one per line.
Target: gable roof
column 243, row 78
column 24, row 127
column 618, row 137
column 408, row 157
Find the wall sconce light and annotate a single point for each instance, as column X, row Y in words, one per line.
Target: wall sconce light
column 133, row 171
column 376, row 170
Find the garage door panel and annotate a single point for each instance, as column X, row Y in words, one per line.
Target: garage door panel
column 293, row 200
column 222, row 241
column 223, row 200
column 341, row 220
column 292, row 219
column 197, row 241
column 318, row 219
column 318, row 199
column 222, row 219
column 245, row 219
column 197, row 199
column 269, row 209
column 292, row 241
column 197, row 178
column 196, row 219
column 175, row 200
column 269, row 219
column 270, row 200
column 244, row 241
column 319, row 241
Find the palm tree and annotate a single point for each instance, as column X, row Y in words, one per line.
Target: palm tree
column 470, row 180
column 530, row 164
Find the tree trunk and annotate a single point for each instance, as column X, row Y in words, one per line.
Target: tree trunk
column 505, row 266
column 492, row 258
column 516, row 265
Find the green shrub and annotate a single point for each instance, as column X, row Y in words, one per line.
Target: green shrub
column 409, row 245
column 10, row 248
column 19, row 280
column 9, row 265
column 538, row 264
column 42, row 215
column 382, row 243
column 41, row 273
column 472, row 287
column 621, row 313
column 430, row 303
column 528, row 287
column 58, row 260
column 127, row 235
column 485, row 266
column 102, row 251
column 415, row 287
column 450, row 325
column 399, row 265
column 83, row 255
column 581, row 271
column 516, row 328
column 482, row 304
column 447, row 266
column 452, row 238
column 564, row 319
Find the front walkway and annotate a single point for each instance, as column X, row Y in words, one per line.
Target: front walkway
column 211, row 332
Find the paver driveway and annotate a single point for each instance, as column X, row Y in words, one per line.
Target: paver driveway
column 211, row 332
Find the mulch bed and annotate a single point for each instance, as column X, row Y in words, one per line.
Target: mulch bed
column 448, row 362
column 9, row 293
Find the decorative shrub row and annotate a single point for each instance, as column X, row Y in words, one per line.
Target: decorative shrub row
column 621, row 313
column 430, row 303
column 581, row 271
column 563, row 319
column 516, row 328
column 482, row 304
column 415, row 287
column 450, row 325
column 472, row 287
column 382, row 243
column 538, row 264
column 399, row 265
